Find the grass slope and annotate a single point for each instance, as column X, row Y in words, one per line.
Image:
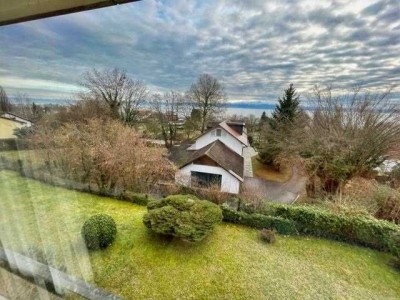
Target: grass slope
column 230, row 264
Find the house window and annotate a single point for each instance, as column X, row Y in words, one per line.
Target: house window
column 218, row 132
column 205, row 180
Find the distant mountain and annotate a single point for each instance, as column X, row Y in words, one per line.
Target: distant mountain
column 253, row 105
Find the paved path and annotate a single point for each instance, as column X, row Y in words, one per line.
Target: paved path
column 286, row 192
column 248, row 153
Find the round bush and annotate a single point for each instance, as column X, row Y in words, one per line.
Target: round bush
column 183, row 216
column 99, row 231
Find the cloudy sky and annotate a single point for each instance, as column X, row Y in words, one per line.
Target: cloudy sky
column 254, row 47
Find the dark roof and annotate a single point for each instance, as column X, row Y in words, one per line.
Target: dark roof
column 242, row 123
column 221, row 155
column 179, row 154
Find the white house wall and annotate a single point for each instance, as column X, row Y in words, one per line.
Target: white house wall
column 225, row 137
column 229, row 183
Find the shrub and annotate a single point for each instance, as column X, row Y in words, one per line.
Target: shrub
column 395, row 176
column 140, row 199
column 137, row 198
column 395, row 245
column 183, row 216
column 288, row 219
column 99, row 231
column 362, row 230
column 268, row 236
column 388, row 202
column 259, row 221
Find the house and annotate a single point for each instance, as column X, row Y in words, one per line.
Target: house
column 216, row 158
column 9, row 122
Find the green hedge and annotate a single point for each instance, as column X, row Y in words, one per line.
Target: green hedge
column 137, row 198
column 361, row 230
column 395, row 245
column 259, row 221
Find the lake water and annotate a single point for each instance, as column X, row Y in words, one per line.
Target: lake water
column 244, row 109
column 245, row 112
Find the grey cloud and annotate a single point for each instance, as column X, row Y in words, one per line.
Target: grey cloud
column 254, row 47
column 375, row 8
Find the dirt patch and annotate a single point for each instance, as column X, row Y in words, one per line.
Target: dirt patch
column 269, row 173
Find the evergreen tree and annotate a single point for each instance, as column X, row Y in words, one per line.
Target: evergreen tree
column 288, row 106
column 279, row 125
column 264, row 120
column 264, row 117
column 5, row 104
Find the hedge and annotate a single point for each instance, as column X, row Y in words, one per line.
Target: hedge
column 259, row 221
column 361, row 230
column 137, row 198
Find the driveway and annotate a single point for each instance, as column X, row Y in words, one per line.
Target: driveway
column 248, row 153
column 286, row 192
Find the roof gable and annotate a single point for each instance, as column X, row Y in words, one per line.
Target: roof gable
column 241, row 138
column 222, row 155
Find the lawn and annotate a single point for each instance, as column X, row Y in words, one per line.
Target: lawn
column 230, row 264
column 268, row 172
column 18, row 154
column 28, row 156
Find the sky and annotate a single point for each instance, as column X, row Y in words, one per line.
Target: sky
column 255, row 48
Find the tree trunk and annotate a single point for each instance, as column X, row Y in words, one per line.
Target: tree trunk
column 330, row 185
column 310, row 188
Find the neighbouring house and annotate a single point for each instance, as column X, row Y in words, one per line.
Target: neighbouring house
column 216, row 158
column 9, row 122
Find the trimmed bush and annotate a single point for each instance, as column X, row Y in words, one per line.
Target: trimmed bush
column 268, row 236
column 183, row 216
column 259, row 221
column 140, row 199
column 395, row 245
column 137, row 198
column 286, row 219
column 361, row 230
column 99, row 231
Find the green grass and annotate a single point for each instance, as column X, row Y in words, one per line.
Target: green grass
column 268, row 172
column 230, row 264
column 17, row 154
column 31, row 157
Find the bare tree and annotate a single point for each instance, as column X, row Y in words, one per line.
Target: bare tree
column 130, row 106
column 25, row 107
column 5, row 104
column 169, row 107
column 349, row 134
column 104, row 153
column 122, row 94
column 208, row 96
column 81, row 111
